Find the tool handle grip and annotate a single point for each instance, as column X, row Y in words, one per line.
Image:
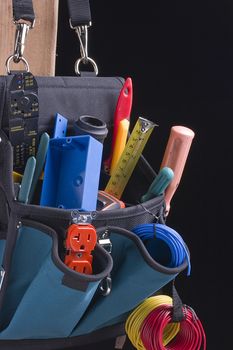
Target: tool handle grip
column 160, row 183
column 175, row 157
column 122, row 112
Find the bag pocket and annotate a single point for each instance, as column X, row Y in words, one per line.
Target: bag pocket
column 135, row 276
column 45, row 299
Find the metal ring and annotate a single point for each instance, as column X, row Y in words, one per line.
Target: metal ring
column 11, row 58
column 85, row 60
column 106, row 286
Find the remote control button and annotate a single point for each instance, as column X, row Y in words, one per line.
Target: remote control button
column 24, row 101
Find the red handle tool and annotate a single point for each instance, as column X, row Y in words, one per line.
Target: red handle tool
column 123, row 111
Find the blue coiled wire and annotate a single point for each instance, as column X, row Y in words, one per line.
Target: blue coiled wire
column 176, row 244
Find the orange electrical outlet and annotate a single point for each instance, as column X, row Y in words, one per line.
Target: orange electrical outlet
column 81, row 238
column 80, row 242
column 79, row 264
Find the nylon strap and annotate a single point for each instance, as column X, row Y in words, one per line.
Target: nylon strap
column 178, row 314
column 79, row 11
column 23, row 9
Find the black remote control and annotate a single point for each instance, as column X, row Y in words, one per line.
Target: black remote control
column 23, row 118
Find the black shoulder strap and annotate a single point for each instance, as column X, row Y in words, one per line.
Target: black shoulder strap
column 23, row 9
column 79, row 11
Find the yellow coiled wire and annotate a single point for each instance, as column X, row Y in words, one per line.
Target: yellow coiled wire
column 135, row 320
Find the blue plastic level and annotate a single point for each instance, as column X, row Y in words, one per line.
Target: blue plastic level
column 72, row 171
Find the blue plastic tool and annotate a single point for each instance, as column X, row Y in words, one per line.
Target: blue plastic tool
column 27, row 180
column 60, row 126
column 71, row 176
column 40, row 161
column 159, row 184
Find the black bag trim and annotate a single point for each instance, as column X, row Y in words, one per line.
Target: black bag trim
column 132, row 211
column 61, row 343
column 4, row 214
column 7, row 256
column 38, row 212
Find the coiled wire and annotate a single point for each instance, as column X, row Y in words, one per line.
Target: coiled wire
column 149, row 327
column 178, row 250
column 137, row 317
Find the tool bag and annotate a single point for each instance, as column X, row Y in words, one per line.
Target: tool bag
column 43, row 303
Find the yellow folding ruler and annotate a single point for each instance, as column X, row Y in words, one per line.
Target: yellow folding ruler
column 130, row 156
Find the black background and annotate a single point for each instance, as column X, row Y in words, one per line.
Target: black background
column 180, row 57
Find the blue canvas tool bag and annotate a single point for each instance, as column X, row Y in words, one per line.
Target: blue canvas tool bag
column 43, row 303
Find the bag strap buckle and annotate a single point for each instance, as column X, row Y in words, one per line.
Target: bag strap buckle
column 105, row 242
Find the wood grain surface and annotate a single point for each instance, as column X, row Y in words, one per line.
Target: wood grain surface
column 40, row 51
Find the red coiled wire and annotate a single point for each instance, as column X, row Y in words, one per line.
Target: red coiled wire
column 191, row 335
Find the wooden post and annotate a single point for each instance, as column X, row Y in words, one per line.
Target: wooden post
column 40, row 51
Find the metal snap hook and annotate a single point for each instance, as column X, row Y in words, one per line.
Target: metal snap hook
column 21, row 33
column 82, row 33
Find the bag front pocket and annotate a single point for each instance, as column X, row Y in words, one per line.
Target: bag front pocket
column 45, row 299
column 135, row 276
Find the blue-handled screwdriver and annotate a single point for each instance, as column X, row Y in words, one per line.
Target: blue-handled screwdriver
column 159, row 184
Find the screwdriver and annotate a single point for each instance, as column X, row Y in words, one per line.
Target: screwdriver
column 160, row 183
column 175, row 157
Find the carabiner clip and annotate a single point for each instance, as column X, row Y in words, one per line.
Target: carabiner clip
column 20, row 39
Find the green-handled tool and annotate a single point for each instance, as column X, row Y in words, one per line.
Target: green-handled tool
column 40, row 160
column 27, row 180
column 159, row 184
